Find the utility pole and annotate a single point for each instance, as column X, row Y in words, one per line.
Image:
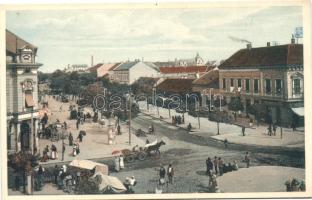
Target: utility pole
column 130, row 116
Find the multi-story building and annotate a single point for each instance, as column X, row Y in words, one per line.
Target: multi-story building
column 21, row 94
column 129, row 72
column 270, row 77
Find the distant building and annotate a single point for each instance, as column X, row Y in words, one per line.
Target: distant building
column 269, row 77
column 184, row 72
column 105, row 69
column 129, row 72
column 76, row 68
column 94, row 68
column 197, row 61
column 21, row 94
column 208, row 83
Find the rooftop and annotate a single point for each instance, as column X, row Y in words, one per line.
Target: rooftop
column 189, row 69
column 176, row 85
column 281, row 55
column 14, row 42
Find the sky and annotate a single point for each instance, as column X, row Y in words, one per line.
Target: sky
column 156, row 34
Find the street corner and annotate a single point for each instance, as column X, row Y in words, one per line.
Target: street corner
column 259, row 179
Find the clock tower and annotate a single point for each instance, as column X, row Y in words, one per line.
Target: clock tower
column 22, row 94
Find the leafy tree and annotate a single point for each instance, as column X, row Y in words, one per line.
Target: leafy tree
column 235, row 104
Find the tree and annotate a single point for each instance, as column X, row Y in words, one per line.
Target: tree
column 235, row 104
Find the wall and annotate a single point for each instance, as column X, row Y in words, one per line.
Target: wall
column 141, row 70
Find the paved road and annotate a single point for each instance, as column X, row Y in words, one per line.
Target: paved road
column 188, row 155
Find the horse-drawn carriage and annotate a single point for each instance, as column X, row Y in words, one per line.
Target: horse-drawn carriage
column 141, row 153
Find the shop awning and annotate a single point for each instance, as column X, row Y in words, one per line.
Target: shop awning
column 29, row 100
column 299, row 111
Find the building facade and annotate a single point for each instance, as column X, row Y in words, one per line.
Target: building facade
column 21, row 94
column 269, row 78
column 129, row 72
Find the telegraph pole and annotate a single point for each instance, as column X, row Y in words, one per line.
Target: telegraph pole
column 130, row 115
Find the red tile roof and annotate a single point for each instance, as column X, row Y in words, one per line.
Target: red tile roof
column 190, row 69
column 282, row 55
column 176, row 85
column 209, row 78
column 95, row 67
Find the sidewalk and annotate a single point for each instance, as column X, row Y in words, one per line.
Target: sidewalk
column 233, row 133
column 259, row 179
column 94, row 144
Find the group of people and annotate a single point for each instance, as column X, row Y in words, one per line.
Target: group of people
column 53, row 153
column 177, row 120
column 272, row 129
column 119, row 163
column 295, row 185
column 162, row 175
column 218, row 167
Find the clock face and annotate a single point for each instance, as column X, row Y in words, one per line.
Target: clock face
column 26, row 57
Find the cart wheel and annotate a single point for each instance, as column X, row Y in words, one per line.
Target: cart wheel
column 129, row 158
column 142, row 156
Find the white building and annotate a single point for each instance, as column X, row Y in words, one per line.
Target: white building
column 129, row 72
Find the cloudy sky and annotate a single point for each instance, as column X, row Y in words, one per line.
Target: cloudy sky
column 72, row 36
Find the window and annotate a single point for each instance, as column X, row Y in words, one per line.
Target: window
column 278, row 86
column 296, row 86
column 232, row 82
column 239, row 82
column 256, row 86
column 267, row 86
column 247, row 85
column 224, row 84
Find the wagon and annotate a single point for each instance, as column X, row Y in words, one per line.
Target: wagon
column 131, row 155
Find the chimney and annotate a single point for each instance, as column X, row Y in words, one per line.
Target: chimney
column 268, row 44
column 91, row 61
column 249, row 46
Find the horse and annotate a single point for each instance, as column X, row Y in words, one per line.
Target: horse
column 155, row 148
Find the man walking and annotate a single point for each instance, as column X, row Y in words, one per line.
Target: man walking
column 243, row 130
column 63, row 151
column 247, row 159
column 270, row 130
column 209, row 166
column 162, row 174
column 170, row 173
column 274, row 129
column 215, row 163
column 220, row 163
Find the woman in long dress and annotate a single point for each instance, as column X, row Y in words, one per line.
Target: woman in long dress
column 117, row 163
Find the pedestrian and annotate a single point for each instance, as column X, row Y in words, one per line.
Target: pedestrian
column 270, row 130
column 65, row 125
column 63, row 151
column 220, row 164
column 243, row 130
column 235, row 116
column 74, row 150
column 247, row 159
column 40, row 176
column 274, row 128
column 84, row 117
column 117, row 164
column 183, row 119
column 53, row 152
column 215, row 163
column 121, row 162
column 55, row 173
column 77, row 124
column 225, row 143
column 80, row 136
column 235, row 166
column 170, row 173
column 118, row 129
column 70, row 139
column 209, row 165
column 162, row 174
